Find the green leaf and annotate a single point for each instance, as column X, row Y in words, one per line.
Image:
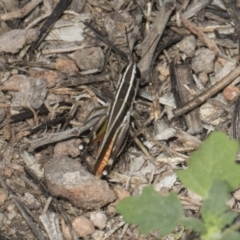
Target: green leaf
column 214, row 159
column 193, row 224
column 230, row 235
column 151, row 211
column 214, row 210
column 226, row 235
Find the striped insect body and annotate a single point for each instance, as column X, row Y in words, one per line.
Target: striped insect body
column 119, row 118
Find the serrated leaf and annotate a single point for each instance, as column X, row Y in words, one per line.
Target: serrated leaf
column 214, row 209
column 193, row 224
column 151, row 211
column 214, row 159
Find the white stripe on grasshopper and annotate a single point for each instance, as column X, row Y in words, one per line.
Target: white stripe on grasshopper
column 112, row 123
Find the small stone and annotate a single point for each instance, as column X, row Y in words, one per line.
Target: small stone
column 32, row 91
column 121, row 193
column 3, row 196
column 8, row 172
column 211, row 114
column 83, row 226
column 116, row 23
column 31, row 201
column 11, row 212
column 16, row 39
column 203, row 61
column 67, row 148
column 49, row 76
column 99, row 219
column 231, row 92
column 65, row 65
column 111, row 209
column 163, row 69
column 97, row 235
column 203, row 78
column 188, row 45
column 89, row 58
column 66, row 178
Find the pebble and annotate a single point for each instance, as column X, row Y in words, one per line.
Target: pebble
column 97, row 235
column 188, row 45
column 115, row 24
column 203, row 78
column 83, row 226
column 203, row 61
column 89, row 58
column 11, row 212
column 65, row 65
column 121, row 193
column 31, row 201
column 68, row 148
column 49, row 76
column 231, row 92
column 8, row 172
column 99, row 219
column 66, row 178
column 32, row 91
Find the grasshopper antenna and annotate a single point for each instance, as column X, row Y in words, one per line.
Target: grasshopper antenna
column 130, row 51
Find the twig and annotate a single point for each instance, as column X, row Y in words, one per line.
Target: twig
column 56, row 137
column 45, row 29
column 36, row 231
column 194, row 9
column 204, row 38
column 203, row 97
column 149, row 44
column 233, row 12
column 181, row 76
column 21, row 12
column 48, row 11
column 143, row 149
column 64, row 50
column 108, row 234
column 107, row 41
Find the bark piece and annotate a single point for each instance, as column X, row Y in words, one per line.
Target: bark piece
column 50, row 222
column 182, row 81
column 14, row 40
column 236, row 120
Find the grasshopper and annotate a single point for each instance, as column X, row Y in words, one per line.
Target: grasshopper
column 119, row 119
column 119, row 114
column 118, row 122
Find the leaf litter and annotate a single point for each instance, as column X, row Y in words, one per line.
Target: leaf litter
column 48, row 91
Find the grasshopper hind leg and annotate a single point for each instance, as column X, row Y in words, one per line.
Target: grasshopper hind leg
column 119, row 145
